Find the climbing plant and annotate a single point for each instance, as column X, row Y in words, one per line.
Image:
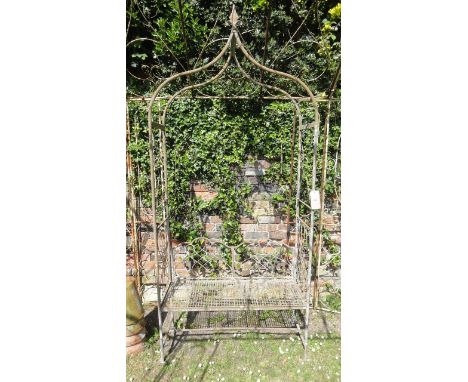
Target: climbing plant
column 209, row 140
column 301, row 37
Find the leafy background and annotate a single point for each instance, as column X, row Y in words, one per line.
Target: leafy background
column 209, row 140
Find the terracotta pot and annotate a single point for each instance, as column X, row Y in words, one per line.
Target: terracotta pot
column 136, row 339
column 135, row 349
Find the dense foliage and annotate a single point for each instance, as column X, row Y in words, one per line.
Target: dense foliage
column 299, row 37
column 208, row 140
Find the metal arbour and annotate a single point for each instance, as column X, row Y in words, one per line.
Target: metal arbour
column 217, row 277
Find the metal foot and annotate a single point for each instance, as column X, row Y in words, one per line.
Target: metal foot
column 161, row 347
column 161, row 335
column 299, row 330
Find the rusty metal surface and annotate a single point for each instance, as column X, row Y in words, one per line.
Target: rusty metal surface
column 212, row 258
column 234, row 294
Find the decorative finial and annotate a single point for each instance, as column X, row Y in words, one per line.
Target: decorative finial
column 234, row 18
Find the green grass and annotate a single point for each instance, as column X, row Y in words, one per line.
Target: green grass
column 246, row 357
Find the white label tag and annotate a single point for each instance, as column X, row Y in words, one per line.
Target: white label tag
column 315, row 200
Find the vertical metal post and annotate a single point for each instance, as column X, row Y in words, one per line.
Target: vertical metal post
column 323, row 183
column 156, row 232
column 311, row 239
column 165, row 196
column 309, row 280
column 291, row 180
column 133, row 210
column 297, row 246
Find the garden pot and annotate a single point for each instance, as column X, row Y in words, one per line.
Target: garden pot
column 134, row 349
column 136, row 339
column 135, row 330
column 135, row 311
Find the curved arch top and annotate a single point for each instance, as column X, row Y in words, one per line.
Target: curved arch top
column 233, row 43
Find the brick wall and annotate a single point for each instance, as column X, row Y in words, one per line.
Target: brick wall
column 263, row 227
column 329, row 275
column 264, row 223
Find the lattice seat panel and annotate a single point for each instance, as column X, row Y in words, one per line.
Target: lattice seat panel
column 234, row 294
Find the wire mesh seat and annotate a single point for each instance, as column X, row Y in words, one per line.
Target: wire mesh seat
column 234, row 294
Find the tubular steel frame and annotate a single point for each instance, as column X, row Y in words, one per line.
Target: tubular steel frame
column 227, row 291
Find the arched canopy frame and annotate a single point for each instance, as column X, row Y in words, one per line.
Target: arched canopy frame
column 233, row 44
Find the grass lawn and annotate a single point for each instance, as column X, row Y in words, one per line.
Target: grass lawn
column 243, row 357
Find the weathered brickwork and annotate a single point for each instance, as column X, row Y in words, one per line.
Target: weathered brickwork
column 253, row 228
column 262, row 223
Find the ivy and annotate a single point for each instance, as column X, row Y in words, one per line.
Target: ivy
column 304, row 37
column 209, row 141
